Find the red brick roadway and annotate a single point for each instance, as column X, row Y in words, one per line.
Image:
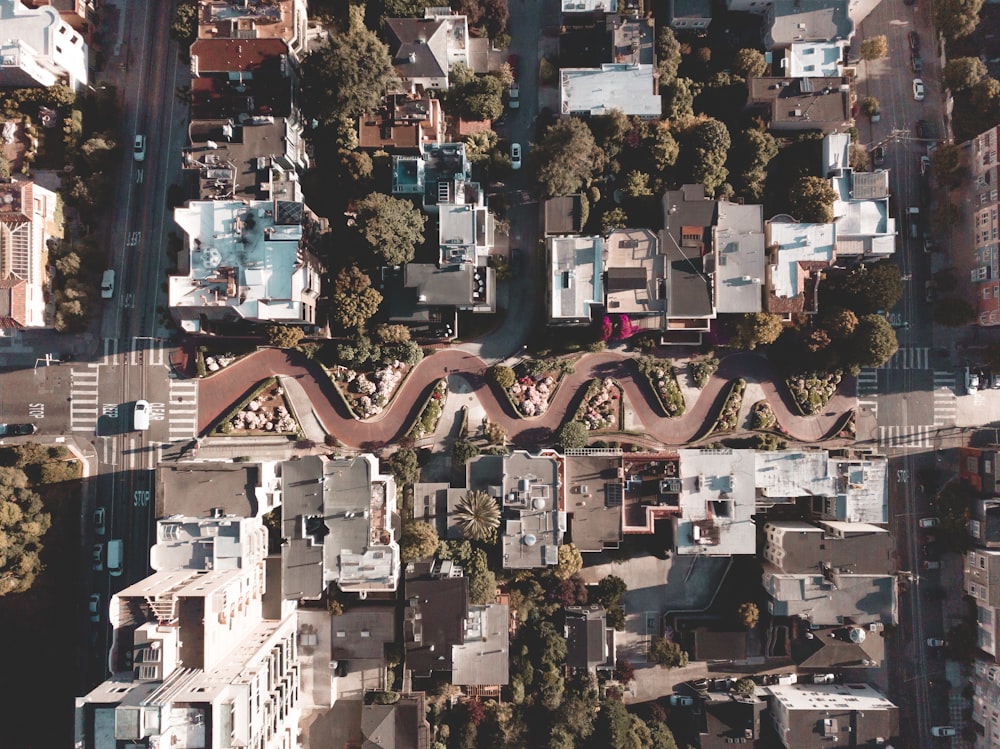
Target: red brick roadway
column 218, row 392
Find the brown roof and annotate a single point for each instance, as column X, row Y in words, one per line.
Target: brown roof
column 13, row 303
column 402, row 123
column 235, row 55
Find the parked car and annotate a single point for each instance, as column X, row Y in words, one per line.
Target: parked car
column 878, row 155
column 928, row 522
column 918, row 89
column 914, row 39
column 995, row 381
column 139, row 148
column 513, row 97
column 699, row 685
column 99, row 527
column 928, row 245
column 108, row 284
column 680, row 700
column 515, row 155
column 916, row 64
column 935, row 642
column 925, row 164
column 17, row 430
column 929, row 291
column 94, row 606
column 923, row 128
column 97, row 558
column 943, row 731
column 971, row 381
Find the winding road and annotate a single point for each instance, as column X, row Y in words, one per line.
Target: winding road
column 219, row 391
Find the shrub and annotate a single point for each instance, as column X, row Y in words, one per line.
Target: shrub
column 464, row 451
column 659, row 374
column 502, row 376
column 702, row 370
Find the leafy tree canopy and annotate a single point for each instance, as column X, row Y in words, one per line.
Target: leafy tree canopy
column 874, row 47
column 755, row 329
column 419, row 540
column 874, row 341
column 567, row 158
column 353, row 300
column 811, row 200
column 961, row 73
column 749, row 63
column 391, row 226
column 956, row 18
column 572, row 434
column 474, row 97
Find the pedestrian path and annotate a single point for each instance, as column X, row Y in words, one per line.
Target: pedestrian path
column 910, row 357
column 84, row 408
column 182, row 410
column 945, row 400
column 147, row 351
column 905, row 436
column 868, row 389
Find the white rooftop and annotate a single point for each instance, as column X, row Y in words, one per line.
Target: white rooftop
column 814, row 59
column 739, row 243
column 596, row 91
column 208, row 543
column 836, row 152
column 588, row 6
column 575, row 276
column 717, row 500
column 39, row 43
column 798, row 243
column 851, row 697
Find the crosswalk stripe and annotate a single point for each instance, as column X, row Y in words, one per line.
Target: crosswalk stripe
column 83, row 391
column 183, row 409
column 910, row 357
column 904, row 436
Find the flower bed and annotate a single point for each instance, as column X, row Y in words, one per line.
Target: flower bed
column 430, row 414
column 659, row 374
column 728, row 418
column 701, row 371
column 602, row 406
column 368, row 393
column 762, row 417
column 848, row 426
column 811, row 392
column 206, row 363
column 264, row 411
column 536, row 383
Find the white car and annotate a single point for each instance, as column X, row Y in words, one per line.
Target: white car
column 515, row 155
column 935, row 642
column 95, row 607
column 140, row 416
column 943, row 731
column 971, row 381
column 108, row 284
column 918, row 89
column 139, row 148
column 680, row 700
column 925, row 164
column 928, row 522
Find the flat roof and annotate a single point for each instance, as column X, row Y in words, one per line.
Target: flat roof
column 594, row 501
column 739, row 252
column 717, row 501
column 814, row 59
column 636, row 250
column 808, row 21
column 575, row 283
column 483, row 657
column 596, row 91
column 797, row 244
column 688, row 217
column 194, row 489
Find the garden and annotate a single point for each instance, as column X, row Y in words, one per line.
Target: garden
column 264, row 411
column 368, row 393
column 811, row 392
column 531, row 385
column 728, row 418
column 601, row 409
column 659, row 373
column 430, row 414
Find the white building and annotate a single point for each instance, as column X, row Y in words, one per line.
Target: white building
column 576, row 267
column 247, row 262
column 815, row 716
column 717, row 503
column 596, row 91
column 38, row 48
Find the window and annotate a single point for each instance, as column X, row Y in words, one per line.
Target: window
column 986, row 293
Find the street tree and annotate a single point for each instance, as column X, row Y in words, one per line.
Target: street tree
column 609, row 131
column 614, row 218
column 666, row 653
column 570, row 561
column 961, row 73
column 749, row 63
column 874, row 47
column 474, row 97
column 811, row 200
column 870, row 106
column 870, row 287
column 283, row 336
column 678, row 98
column 986, row 99
column 839, row 323
column 705, row 146
column 946, row 162
column 874, row 341
column 353, row 300
column 611, row 725
column 661, row 736
column 571, row 435
column 954, row 312
column 956, row 18
column 418, row 541
column 391, row 226
column 23, row 524
column 668, row 56
column 480, row 144
column 404, row 466
column 567, row 158
column 755, row 329
column 477, row 515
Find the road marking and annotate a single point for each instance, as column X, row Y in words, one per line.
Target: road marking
column 133, row 239
column 945, row 400
column 83, row 398
column 868, row 386
column 138, row 176
column 111, row 351
column 183, row 410
column 147, row 350
column 910, row 357
column 905, row 436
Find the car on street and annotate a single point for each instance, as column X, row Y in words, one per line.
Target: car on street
column 139, row 148
column 918, row 89
column 935, row 642
column 515, row 155
column 680, row 700
column 931, row 565
column 513, row 97
column 928, row 522
column 914, row 40
column 925, row 164
column 140, row 416
column 99, row 526
column 878, row 155
column 928, row 245
column 943, row 731
column 97, row 558
column 108, row 284
column 916, row 64
column 17, row 430
column 94, row 606
column 923, row 129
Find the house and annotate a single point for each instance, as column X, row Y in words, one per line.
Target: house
column 862, row 224
column 985, row 685
column 40, row 48
column 28, row 221
column 79, row 14
column 465, row 225
column 790, row 21
column 593, row 501
column 978, row 468
column 597, row 91
column 830, row 574
column 360, row 635
column 735, row 719
column 237, row 489
column 432, row 173
column 401, row 725
column 981, row 193
column 803, row 104
column 246, row 260
column 826, row 649
column 246, row 80
column 575, row 278
column 982, row 582
column 564, row 215
column 814, row 59
column 716, row 497
column 424, row 49
column 424, row 294
column 797, row 255
column 984, row 523
column 689, row 15
column 634, row 269
column 689, row 253
column 590, row 642
column 738, row 238
column 340, row 524
column 402, row 124
column 813, row 716
column 480, row 664
column 286, row 20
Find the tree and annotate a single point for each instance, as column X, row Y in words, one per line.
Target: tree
column 476, row 97
column 353, row 300
column 346, row 77
column 638, row 735
column 570, row 562
column 418, row 541
column 68, row 264
column 614, row 218
column 392, row 333
column 404, row 466
column 636, row 185
column 391, row 226
column 283, row 336
column 748, row 614
column 870, row 106
column 660, row 736
column 956, row 18
column 663, row 148
column 503, row 376
column 678, row 98
column 946, row 162
column 611, row 725
column 571, row 435
column 755, row 329
column 464, row 451
column 184, row 27
column 624, row 670
column 954, row 312
column 480, row 144
column 874, row 341
column 811, row 200
column 610, row 130
column 874, row 47
column 567, row 158
column 839, row 323
column 749, row 63
column 752, row 151
column 22, row 527
column 871, row 287
column 668, row 56
column 610, row 590
column 986, row 99
column 961, row 73
column 745, row 686
column 477, row 516
column 666, row 653
column 705, row 146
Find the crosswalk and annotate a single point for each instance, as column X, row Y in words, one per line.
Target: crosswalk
column 910, row 357
column 945, row 400
column 867, row 390
column 84, row 408
column 141, row 350
column 182, row 413
column 905, row 436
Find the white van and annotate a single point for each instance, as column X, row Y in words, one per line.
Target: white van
column 140, row 416
column 108, row 284
column 115, row 552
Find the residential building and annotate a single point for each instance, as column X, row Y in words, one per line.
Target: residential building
column 738, row 238
column 429, row 295
column 248, row 80
column 465, row 226
column 831, row 573
column 985, row 683
column 814, row 59
column 734, row 719
column 686, row 243
column 424, row 49
column 340, row 525
column 80, row 14
column 716, row 498
column 403, row 123
column 863, row 227
column 984, row 522
column 634, row 269
column 28, row 221
column 797, row 255
column 401, row 725
column 790, row 21
column 590, row 642
column 982, row 582
column 286, row 20
column 360, row 635
column 814, row 716
column 688, row 15
column 564, row 215
column 575, row 278
column 216, row 542
column 250, row 489
column 803, row 104
column 597, row 91
column 245, row 261
column 432, row 173
column 592, row 497
column 589, row 6
column 757, row 7
column 978, row 468
column 826, row 649
column 984, row 199
column 40, row 48
column 480, row 664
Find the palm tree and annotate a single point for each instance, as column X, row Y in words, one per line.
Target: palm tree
column 478, row 516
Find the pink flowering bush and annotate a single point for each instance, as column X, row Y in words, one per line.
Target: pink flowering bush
column 368, row 393
column 530, row 395
column 601, row 407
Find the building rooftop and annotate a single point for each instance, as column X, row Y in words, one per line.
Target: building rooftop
column 533, row 520
column 634, row 269
column 717, row 501
column 575, row 265
column 196, row 488
column 257, row 19
column 217, row 542
column 361, row 634
column 856, row 714
column 797, row 254
column 419, row 47
column 401, row 725
column 483, row 658
column 803, row 103
column 836, row 648
column 814, row 60
column 433, row 621
column 593, row 499
column 632, row 40
column 589, row 6
column 563, row 214
column 849, row 548
column 808, row 21
column 688, row 216
column 39, row 48
column 739, row 252
column 402, row 123
column 596, row 91
column 432, row 172
column 735, row 719
column 832, row 599
column 587, row 638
